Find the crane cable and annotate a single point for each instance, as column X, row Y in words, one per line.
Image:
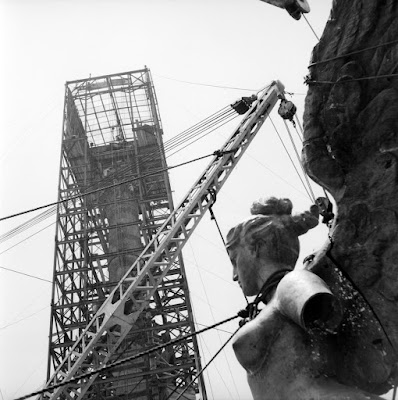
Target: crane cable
column 291, row 160
column 202, row 125
column 213, row 195
column 219, row 117
column 215, row 153
column 312, row 195
column 205, row 134
column 309, row 81
column 313, row 64
column 214, row 119
column 28, row 237
column 207, row 301
column 26, row 225
column 301, row 135
column 312, row 29
column 50, row 212
column 130, row 358
column 24, row 273
column 202, row 370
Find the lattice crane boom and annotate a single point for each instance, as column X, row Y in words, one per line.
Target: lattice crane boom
column 133, row 293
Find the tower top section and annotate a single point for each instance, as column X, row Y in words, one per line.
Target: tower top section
column 113, row 109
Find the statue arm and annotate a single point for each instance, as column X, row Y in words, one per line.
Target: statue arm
column 305, row 298
column 306, row 220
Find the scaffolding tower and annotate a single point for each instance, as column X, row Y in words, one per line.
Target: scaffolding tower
column 114, row 195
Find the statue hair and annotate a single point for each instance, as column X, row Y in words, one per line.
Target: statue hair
column 272, row 231
column 272, row 206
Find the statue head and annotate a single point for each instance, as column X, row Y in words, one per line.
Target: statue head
column 266, row 242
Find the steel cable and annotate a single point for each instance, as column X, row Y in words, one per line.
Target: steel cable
column 125, row 360
column 291, row 160
column 352, row 53
column 109, row 186
column 301, row 164
column 214, row 119
column 203, row 369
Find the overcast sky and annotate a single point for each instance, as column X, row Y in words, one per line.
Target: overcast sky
column 237, row 44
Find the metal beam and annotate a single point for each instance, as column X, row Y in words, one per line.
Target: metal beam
column 134, row 291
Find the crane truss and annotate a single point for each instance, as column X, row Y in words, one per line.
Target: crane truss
column 136, row 290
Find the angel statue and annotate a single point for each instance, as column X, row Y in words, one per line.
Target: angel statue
column 309, row 333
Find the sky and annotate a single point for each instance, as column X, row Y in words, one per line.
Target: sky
column 201, row 54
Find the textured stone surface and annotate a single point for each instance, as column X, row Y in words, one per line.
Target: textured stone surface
column 351, row 149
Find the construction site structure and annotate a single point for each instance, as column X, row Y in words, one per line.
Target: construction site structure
column 134, row 299
column 112, row 134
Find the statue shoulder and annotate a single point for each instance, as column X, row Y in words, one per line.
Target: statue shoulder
column 306, row 299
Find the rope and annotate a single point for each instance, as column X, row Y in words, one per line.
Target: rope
column 302, row 136
column 306, row 20
column 169, row 145
column 326, row 193
column 213, row 194
column 26, row 225
column 299, row 134
column 352, row 53
column 204, row 84
column 265, row 88
column 220, row 118
column 262, row 296
column 301, row 164
column 126, row 360
column 198, row 128
column 207, row 301
column 210, row 122
column 288, row 154
column 23, row 240
column 231, row 117
column 22, row 273
column 309, row 81
column 111, row 186
column 24, row 318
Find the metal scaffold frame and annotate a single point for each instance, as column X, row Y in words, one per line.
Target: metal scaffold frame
column 112, row 133
column 137, row 289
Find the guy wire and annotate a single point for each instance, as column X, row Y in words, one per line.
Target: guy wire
column 301, row 164
column 125, row 360
column 291, row 160
column 204, row 368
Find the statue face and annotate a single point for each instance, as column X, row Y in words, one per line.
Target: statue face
column 245, row 269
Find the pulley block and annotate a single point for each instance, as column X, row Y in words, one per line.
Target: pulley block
column 243, row 105
column 287, row 110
